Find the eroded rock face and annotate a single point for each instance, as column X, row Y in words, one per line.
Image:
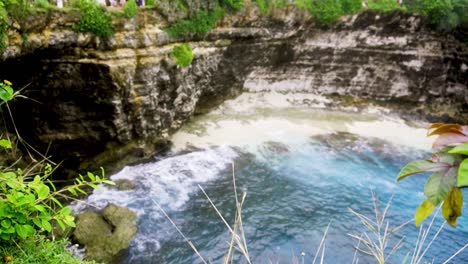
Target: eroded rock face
column 89, row 93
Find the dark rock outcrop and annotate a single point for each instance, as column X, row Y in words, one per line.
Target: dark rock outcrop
column 88, row 93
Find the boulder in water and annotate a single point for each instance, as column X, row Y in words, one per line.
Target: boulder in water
column 105, row 235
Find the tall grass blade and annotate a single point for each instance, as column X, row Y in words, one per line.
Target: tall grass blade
column 180, row 232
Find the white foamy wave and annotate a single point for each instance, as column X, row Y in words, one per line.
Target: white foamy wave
column 393, row 130
column 169, row 181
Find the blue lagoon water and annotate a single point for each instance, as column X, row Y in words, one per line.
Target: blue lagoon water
column 301, row 169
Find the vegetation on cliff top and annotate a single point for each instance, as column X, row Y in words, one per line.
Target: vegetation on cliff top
column 94, row 18
column 445, row 14
column 201, row 23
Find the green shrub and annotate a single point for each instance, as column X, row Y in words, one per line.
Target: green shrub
column 130, row 8
column 39, row 249
column 3, row 25
column 446, row 14
column 29, row 205
column 262, row 5
column 150, row 2
column 42, row 4
column 266, row 6
column 323, row 11
column 182, row 5
column 383, row 5
column 200, row 24
column 94, row 18
column 17, row 9
column 232, row 4
column 350, row 7
column 182, row 55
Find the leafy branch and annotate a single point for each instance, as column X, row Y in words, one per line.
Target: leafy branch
column 449, row 167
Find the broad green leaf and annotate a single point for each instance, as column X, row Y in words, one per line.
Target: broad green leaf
column 37, row 179
column 460, row 149
column 108, row 182
column 42, row 191
column 463, row 173
column 5, row 143
column 39, row 208
column 452, row 207
column 69, row 220
column 12, row 198
column 46, row 225
column 72, row 191
column 423, row 211
column 14, row 184
column 92, row 185
column 80, row 190
column 9, row 230
column 6, row 223
column 52, row 184
column 37, row 222
column 4, row 208
column 439, row 184
column 65, row 211
column 19, row 217
column 6, row 93
column 60, row 223
column 91, row 176
column 56, row 201
column 27, row 199
column 419, row 166
column 24, row 230
column 5, row 237
column 45, row 215
column 8, row 175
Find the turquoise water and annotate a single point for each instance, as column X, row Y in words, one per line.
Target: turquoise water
column 296, row 185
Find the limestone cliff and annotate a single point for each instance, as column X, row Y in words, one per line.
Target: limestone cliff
column 89, row 93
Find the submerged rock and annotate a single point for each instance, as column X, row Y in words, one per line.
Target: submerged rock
column 124, row 185
column 105, row 235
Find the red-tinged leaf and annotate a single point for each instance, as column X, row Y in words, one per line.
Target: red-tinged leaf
column 446, row 128
column 419, row 166
column 449, row 139
column 436, row 125
column 450, row 159
column 464, row 130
